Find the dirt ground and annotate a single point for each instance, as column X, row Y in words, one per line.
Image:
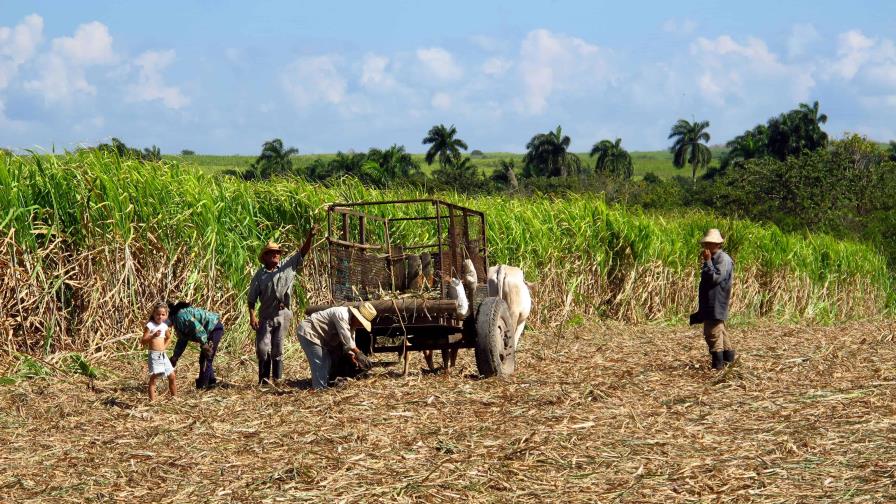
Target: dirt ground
column 597, row 414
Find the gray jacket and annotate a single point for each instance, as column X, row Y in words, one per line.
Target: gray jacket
column 715, row 286
column 274, row 288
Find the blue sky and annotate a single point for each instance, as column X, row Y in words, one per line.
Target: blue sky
column 223, row 77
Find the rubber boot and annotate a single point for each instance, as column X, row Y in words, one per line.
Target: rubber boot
column 728, row 356
column 718, row 362
column 264, row 371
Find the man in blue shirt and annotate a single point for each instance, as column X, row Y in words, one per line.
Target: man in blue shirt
column 716, row 274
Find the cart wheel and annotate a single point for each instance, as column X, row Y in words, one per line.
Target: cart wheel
column 495, row 353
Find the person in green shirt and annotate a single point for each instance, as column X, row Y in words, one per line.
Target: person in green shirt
column 202, row 327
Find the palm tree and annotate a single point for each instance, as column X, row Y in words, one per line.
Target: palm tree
column 811, row 121
column 688, row 148
column 505, row 174
column 460, row 175
column 151, row 154
column 394, row 162
column 812, row 113
column 444, row 145
column 273, row 160
column 750, row 145
column 347, row 163
column 372, row 173
column 796, row 131
column 612, row 159
column 547, row 155
column 318, row 170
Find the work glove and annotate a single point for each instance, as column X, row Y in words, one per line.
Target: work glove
column 363, row 362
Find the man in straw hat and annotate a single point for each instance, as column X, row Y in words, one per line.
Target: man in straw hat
column 714, row 294
column 272, row 287
column 327, row 335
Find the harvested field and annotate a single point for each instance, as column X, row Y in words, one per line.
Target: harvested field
column 598, row 413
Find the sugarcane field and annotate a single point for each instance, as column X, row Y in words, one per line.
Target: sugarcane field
column 445, row 276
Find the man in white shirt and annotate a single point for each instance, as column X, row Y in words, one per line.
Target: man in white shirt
column 330, row 333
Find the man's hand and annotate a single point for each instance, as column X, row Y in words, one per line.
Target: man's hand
column 253, row 322
column 705, row 255
column 361, row 361
column 206, row 349
column 306, row 247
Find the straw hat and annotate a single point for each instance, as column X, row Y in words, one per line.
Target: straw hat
column 713, row 236
column 364, row 313
column 270, row 247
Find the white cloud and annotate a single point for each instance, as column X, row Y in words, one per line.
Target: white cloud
column 550, row 63
column 868, row 67
column 62, row 70
column 868, row 60
column 59, row 81
column 314, row 79
column 853, row 51
column 18, row 45
column 150, row 84
column 441, row 101
column 802, row 37
column 495, row 67
column 373, row 72
column 440, row 63
column 749, row 69
column 679, row 26
column 91, row 45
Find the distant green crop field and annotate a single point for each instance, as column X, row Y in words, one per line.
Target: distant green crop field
column 658, row 162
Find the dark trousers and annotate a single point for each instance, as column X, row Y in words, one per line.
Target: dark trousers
column 206, row 364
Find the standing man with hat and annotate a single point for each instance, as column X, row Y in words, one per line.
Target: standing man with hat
column 327, row 335
column 272, row 286
column 714, row 294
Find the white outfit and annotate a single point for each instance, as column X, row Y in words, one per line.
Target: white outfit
column 153, row 327
column 159, row 363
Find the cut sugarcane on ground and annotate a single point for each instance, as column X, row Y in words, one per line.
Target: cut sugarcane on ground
column 594, row 413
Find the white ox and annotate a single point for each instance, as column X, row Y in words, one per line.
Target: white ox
column 508, row 283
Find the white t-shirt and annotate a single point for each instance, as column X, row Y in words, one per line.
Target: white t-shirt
column 153, row 327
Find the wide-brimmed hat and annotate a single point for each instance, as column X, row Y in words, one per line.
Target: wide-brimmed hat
column 713, row 236
column 270, row 247
column 364, row 313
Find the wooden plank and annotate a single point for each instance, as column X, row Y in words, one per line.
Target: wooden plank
column 354, row 245
column 435, row 307
column 355, row 213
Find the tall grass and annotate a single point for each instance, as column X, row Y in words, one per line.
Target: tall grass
column 89, row 240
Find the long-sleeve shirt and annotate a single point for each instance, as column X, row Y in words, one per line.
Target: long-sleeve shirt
column 329, row 328
column 716, row 275
column 273, row 288
column 192, row 324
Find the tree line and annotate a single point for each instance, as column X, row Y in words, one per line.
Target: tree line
column 786, row 171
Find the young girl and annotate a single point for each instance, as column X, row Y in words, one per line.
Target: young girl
column 156, row 337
